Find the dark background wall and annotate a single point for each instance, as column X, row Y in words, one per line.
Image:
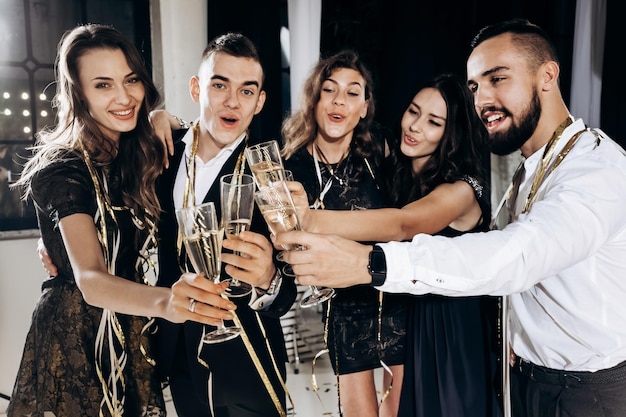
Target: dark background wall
column 407, row 42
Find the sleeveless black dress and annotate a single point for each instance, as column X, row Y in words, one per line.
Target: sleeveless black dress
column 451, row 363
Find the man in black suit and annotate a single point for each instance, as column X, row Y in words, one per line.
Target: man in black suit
column 222, row 379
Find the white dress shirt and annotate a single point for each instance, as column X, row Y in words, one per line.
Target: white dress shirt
column 563, row 262
column 206, row 173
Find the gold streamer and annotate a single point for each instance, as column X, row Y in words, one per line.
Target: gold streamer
column 269, row 350
column 379, row 339
column 319, row 354
column 259, row 367
column 319, row 204
column 109, row 324
column 544, row 171
column 110, row 330
column 189, row 190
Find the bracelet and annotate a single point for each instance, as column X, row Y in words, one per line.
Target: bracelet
column 183, row 124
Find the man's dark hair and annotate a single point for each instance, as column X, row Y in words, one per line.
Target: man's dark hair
column 528, row 37
column 234, row 44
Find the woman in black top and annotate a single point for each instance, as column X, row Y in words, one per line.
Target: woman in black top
column 333, row 148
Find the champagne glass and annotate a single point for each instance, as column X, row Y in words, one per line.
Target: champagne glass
column 202, row 237
column 279, row 255
column 237, row 198
column 267, row 167
column 265, row 162
column 279, row 212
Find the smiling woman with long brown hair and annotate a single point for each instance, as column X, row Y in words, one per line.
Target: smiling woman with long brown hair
column 92, row 179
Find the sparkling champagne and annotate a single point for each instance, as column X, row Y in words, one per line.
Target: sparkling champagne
column 281, row 218
column 267, row 172
column 205, row 252
column 236, row 226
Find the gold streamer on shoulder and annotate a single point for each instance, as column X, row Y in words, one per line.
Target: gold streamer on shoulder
column 545, row 168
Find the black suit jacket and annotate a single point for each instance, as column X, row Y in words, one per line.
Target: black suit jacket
column 229, row 361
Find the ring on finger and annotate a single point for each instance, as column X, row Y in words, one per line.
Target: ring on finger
column 192, row 305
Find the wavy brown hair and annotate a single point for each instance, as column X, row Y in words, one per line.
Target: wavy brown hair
column 140, row 153
column 300, row 129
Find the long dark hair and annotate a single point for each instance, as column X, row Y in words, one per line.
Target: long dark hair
column 459, row 153
column 140, row 153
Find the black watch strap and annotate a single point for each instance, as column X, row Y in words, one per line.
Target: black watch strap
column 377, row 266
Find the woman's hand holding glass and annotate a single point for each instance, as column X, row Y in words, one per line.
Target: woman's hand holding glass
column 210, row 307
column 275, row 202
column 202, row 237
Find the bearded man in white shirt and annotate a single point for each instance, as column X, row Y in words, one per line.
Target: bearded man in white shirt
column 560, row 260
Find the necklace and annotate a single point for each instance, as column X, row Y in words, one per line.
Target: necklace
column 331, row 167
column 319, row 202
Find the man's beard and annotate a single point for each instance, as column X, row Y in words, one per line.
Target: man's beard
column 507, row 142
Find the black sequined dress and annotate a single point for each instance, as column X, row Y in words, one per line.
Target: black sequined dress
column 353, row 326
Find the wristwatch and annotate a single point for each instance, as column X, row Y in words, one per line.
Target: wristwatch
column 274, row 284
column 377, row 266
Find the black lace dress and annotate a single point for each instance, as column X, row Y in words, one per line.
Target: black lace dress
column 451, row 363
column 353, row 327
column 58, row 373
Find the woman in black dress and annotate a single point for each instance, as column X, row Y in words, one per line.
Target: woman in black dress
column 333, row 149
column 436, row 179
column 92, row 181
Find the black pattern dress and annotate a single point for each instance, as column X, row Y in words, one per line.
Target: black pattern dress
column 353, row 327
column 451, row 363
column 58, row 373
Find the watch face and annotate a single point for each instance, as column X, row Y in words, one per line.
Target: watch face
column 377, row 266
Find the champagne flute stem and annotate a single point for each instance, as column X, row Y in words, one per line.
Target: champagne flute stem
column 222, row 326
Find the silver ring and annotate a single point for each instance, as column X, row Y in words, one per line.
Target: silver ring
column 192, row 305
